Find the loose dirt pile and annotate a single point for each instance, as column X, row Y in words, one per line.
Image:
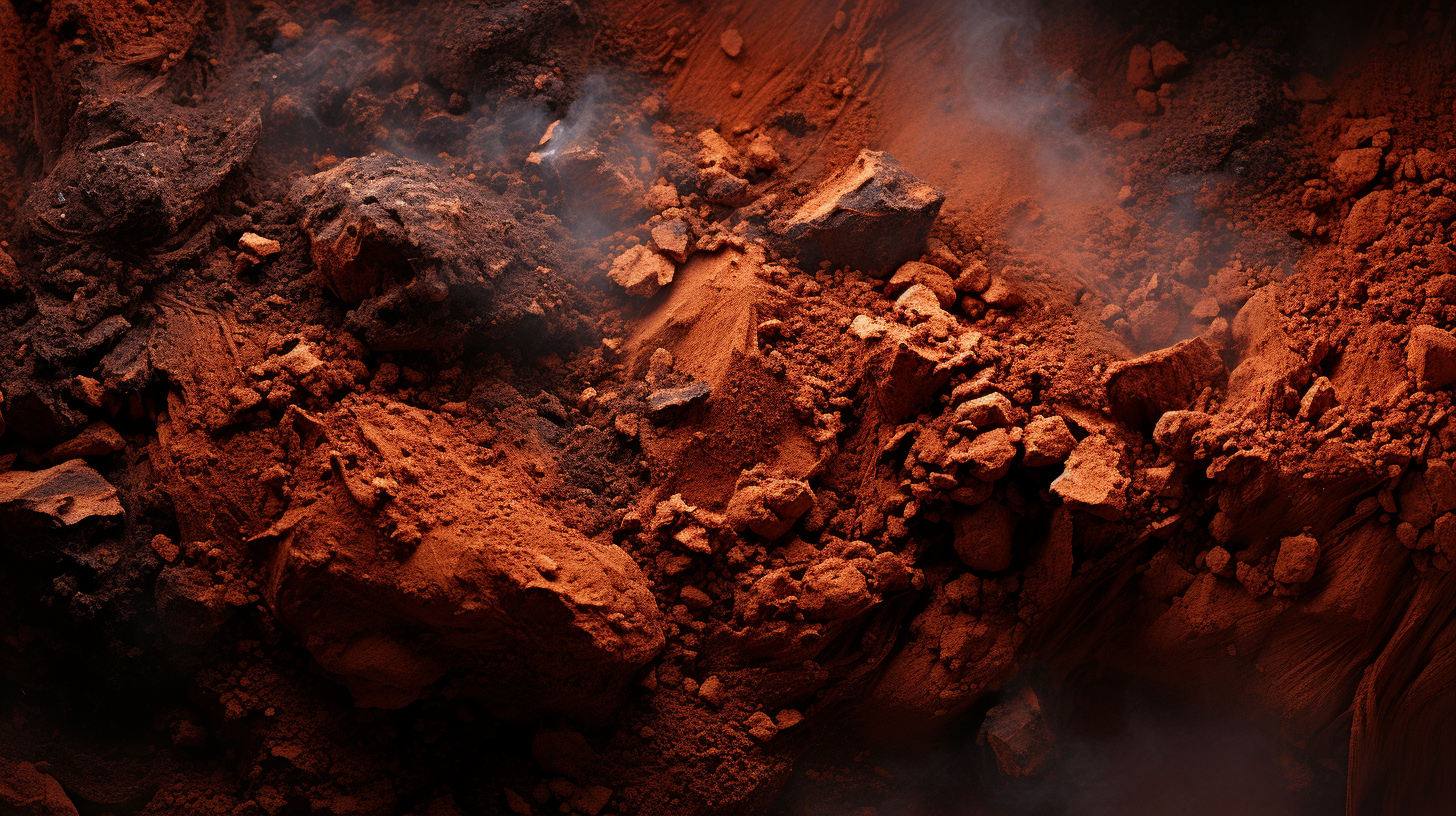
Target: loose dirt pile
column 614, row 408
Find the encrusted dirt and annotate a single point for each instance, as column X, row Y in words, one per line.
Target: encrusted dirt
column 461, row 406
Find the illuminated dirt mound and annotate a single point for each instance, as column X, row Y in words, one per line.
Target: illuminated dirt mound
column 461, row 406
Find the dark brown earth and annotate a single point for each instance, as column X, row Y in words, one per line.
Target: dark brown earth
column 461, row 406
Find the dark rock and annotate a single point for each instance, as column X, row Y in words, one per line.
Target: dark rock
column 873, row 216
column 1019, row 735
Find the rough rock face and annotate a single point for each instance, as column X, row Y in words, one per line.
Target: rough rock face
column 399, row 239
column 872, row 216
column 63, row 495
column 402, row 563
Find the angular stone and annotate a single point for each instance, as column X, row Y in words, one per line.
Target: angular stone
column 1140, row 68
column 988, row 457
column 904, row 377
column 833, row 589
column 1167, row 61
column 932, row 277
column 769, row 508
column 642, row 271
column 1430, row 355
column 1317, row 400
column 1355, row 169
column 1018, row 735
column 66, row 494
column 258, row 245
column 96, row 439
column 872, row 216
column 1298, row 556
column 1175, row 430
column 1092, row 480
column 673, row 239
column 983, row 537
column 1046, row 441
column 989, row 411
column 1142, row 389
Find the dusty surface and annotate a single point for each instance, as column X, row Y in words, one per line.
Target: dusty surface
column 467, row 407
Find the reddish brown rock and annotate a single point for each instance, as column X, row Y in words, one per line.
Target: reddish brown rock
column 1141, row 390
column 1367, row 219
column 1018, row 734
column 641, row 271
column 931, row 277
column 1092, row 480
column 1046, row 441
column 1430, row 355
column 1298, row 556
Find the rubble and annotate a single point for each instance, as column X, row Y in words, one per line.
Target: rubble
column 872, row 216
column 1298, row 557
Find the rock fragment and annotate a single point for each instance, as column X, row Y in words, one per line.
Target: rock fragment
column 1141, row 390
column 1018, row 735
column 833, row 589
column 668, row 398
column 1298, row 556
column 872, row 216
column 1355, row 169
column 731, row 42
column 96, row 439
column 66, row 494
column 988, row 411
column 769, row 507
column 1430, row 355
column 1046, row 441
column 988, row 457
column 673, row 239
column 1367, row 219
column 1167, row 61
column 983, row 537
column 641, row 271
column 258, row 245
column 1092, row 480
column 1140, row 68
column 932, row 277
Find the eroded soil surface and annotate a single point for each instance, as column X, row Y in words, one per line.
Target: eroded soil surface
column 679, row 407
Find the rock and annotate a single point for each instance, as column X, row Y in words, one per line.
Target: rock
column 989, row 411
column 711, row 691
column 983, row 537
column 1140, row 68
column 1220, row 562
column 1430, row 164
column 988, row 457
column 904, row 377
column 872, row 216
column 932, row 277
column 1355, row 169
column 1367, row 219
column 25, row 791
column 695, row 598
column 762, row 154
column 1128, row 131
column 1141, row 390
column 717, row 153
column 833, row 589
column 770, row 507
column 1092, row 480
column 591, row 800
column 96, row 439
column 865, row 327
column 527, row 615
column 597, row 188
column 66, row 494
column 1361, row 131
column 1317, row 400
column 189, row 607
column 922, row 301
column 668, row 398
column 1440, row 480
column 1018, row 735
column 258, row 245
column 1413, row 498
column 1046, row 441
column 761, row 726
column 641, row 271
column 673, row 239
column 1165, row 578
column 731, row 42
column 1000, row 295
column 1306, row 87
column 662, row 197
column 1298, row 556
column 1430, row 355
column 1167, row 61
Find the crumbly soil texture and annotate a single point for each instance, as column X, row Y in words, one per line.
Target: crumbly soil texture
column 675, row 407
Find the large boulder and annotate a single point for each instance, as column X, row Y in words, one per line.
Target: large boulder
column 403, row 561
